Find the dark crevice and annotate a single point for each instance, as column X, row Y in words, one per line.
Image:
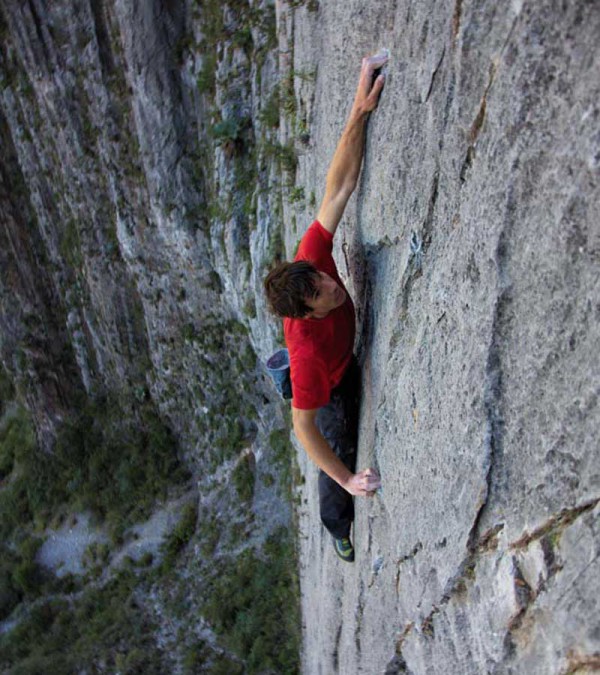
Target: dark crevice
column 493, row 384
column 478, row 121
column 418, row 547
column 524, row 596
column 433, row 76
column 105, row 56
column 456, row 18
column 360, row 608
column 476, row 127
column 397, row 665
column 556, row 524
column 493, row 403
column 428, row 222
column 37, row 22
column 336, row 649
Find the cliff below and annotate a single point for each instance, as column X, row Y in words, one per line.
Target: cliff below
column 157, row 157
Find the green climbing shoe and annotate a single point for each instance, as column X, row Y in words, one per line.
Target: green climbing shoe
column 344, row 549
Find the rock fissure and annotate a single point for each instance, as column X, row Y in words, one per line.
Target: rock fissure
column 556, row 524
column 433, row 75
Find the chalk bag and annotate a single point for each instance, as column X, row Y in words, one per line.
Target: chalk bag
column 278, row 366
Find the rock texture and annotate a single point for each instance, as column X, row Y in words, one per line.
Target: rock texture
column 151, row 153
column 472, row 248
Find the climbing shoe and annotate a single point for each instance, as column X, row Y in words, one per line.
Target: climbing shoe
column 344, row 549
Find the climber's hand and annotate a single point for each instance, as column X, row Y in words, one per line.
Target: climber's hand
column 367, row 93
column 363, row 484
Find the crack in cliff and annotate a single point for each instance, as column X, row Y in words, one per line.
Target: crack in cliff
column 525, row 595
column 493, row 403
column 555, row 524
column 336, row 649
column 493, row 388
column 433, row 75
column 427, row 226
column 397, row 665
column 405, row 558
column 493, row 395
column 479, row 119
column 456, row 18
column 360, row 608
column 581, row 663
column 476, row 127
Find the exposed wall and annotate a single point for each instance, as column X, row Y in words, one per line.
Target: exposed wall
column 472, row 252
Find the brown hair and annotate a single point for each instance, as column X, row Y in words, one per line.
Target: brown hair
column 288, row 285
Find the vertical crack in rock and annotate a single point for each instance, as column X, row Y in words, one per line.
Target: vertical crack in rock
column 397, row 665
column 477, row 124
column 433, row 75
column 493, row 383
column 360, row 608
column 456, row 17
column 524, row 595
column 405, row 558
column 427, row 226
column 476, row 127
column 336, row 649
column 493, row 409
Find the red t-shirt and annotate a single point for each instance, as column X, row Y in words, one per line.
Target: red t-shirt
column 320, row 349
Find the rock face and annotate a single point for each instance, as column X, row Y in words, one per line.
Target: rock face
column 150, row 154
column 472, row 252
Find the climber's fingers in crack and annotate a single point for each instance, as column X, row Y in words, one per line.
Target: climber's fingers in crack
column 373, row 62
column 363, row 483
column 369, row 90
column 370, row 481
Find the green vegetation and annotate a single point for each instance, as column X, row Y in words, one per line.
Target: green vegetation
column 20, row 577
column 296, row 194
column 229, row 424
column 253, row 605
column 243, row 478
column 269, row 114
column 100, row 625
column 115, row 468
column 117, row 459
column 180, row 536
column 284, row 459
column 276, row 248
column 6, row 388
column 284, row 154
column 250, row 307
column 200, row 658
column 70, row 245
column 229, row 129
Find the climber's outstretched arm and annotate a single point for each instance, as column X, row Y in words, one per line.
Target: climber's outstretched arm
column 345, row 166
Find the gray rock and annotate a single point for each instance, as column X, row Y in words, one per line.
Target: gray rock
column 480, row 376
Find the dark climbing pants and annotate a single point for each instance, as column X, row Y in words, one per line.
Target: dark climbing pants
column 338, row 422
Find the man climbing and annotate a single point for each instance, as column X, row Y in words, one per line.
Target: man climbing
column 319, row 329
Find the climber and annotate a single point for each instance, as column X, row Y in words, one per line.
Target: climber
column 319, row 329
